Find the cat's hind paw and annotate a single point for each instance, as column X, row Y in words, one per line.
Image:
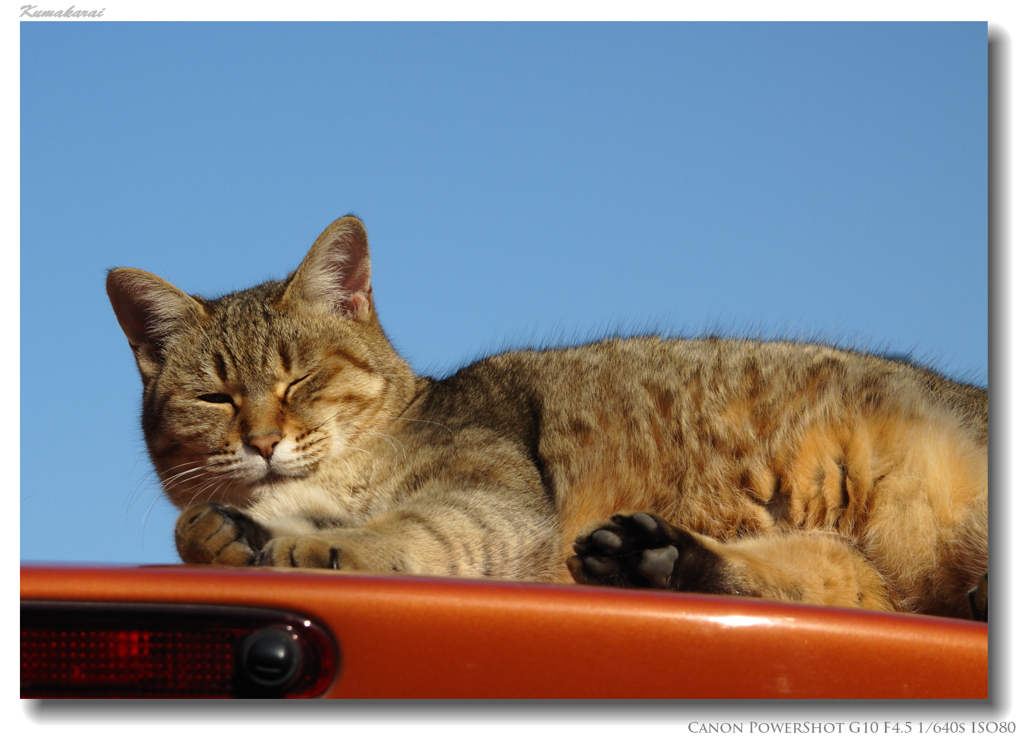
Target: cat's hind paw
column 218, row 533
column 641, row 550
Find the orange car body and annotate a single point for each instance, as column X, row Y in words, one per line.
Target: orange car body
column 403, row 637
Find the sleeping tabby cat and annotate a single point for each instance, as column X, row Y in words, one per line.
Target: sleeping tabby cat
column 290, row 433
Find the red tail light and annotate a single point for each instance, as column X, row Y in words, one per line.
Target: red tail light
column 153, row 651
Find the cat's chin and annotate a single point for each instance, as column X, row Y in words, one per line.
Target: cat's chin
column 241, row 493
column 276, row 478
column 253, row 474
column 273, row 482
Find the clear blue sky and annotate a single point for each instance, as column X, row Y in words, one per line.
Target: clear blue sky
column 521, row 184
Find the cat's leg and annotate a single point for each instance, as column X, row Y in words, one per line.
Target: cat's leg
column 472, row 533
column 218, row 533
column 637, row 549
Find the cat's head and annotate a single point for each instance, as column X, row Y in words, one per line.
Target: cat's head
column 261, row 387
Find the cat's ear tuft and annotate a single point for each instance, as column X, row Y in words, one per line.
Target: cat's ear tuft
column 336, row 271
column 149, row 311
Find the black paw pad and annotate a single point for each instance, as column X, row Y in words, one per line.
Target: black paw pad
column 641, row 550
column 631, row 550
column 658, row 565
column 606, row 540
column 641, row 520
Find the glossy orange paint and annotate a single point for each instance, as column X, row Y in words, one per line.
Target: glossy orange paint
column 403, row 637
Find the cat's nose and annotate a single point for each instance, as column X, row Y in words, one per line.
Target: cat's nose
column 265, row 444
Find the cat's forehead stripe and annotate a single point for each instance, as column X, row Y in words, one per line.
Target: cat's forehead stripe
column 220, row 366
column 343, row 355
column 284, row 353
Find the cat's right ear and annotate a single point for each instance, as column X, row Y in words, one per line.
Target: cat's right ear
column 336, row 272
column 149, row 311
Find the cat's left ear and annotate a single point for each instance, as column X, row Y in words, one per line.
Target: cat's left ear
column 150, row 311
column 336, row 271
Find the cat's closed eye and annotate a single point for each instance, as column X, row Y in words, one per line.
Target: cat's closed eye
column 293, row 386
column 216, row 398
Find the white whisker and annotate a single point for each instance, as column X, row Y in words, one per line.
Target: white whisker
column 149, row 509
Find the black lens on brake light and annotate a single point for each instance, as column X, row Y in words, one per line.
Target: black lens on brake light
column 269, row 659
column 94, row 650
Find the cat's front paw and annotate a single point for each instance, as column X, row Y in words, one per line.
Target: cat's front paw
column 218, row 533
column 311, row 551
column 641, row 550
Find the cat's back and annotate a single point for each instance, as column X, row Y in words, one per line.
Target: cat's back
column 701, row 377
column 647, row 422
